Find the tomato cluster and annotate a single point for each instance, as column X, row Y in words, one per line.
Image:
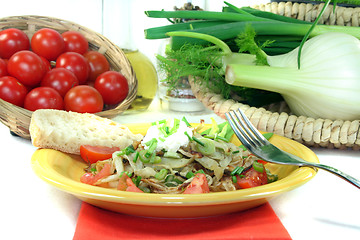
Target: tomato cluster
column 56, row 71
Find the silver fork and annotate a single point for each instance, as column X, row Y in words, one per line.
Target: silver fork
column 257, row 144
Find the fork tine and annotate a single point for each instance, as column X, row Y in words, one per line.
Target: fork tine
column 247, row 131
column 239, row 131
column 251, row 130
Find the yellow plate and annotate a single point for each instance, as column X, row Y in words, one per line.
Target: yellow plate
column 64, row 170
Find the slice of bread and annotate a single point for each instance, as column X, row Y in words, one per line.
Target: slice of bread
column 67, row 131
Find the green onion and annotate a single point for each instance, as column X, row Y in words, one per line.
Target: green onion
column 158, row 122
column 172, row 181
column 151, row 148
column 169, row 178
column 127, row 173
column 234, row 179
column 154, row 159
column 272, row 16
column 200, row 171
column 186, row 122
column 198, row 141
column 271, row 177
column 144, row 189
column 136, row 180
column 172, row 155
column 187, row 134
column 136, row 157
column 208, row 15
column 221, row 138
column 235, row 152
column 143, row 157
column 148, row 143
column 259, row 167
column 160, row 32
column 189, row 175
column 129, row 149
column 237, row 171
column 126, row 151
column 161, row 174
column 175, row 126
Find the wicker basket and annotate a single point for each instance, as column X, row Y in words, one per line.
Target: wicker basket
column 17, row 118
column 277, row 118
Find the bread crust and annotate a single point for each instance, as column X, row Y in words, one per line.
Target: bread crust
column 67, row 131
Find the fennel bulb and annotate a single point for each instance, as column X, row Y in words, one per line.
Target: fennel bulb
column 326, row 86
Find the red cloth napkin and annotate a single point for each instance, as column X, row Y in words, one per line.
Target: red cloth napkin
column 256, row 223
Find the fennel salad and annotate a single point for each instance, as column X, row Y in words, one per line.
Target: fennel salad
column 175, row 157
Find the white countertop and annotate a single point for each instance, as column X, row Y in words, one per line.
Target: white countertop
column 326, row 207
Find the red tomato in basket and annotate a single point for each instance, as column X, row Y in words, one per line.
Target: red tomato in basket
column 3, row 68
column 27, row 67
column 112, row 86
column 83, row 99
column 199, row 184
column 12, row 40
column 12, row 91
column 48, row 43
column 98, row 64
column 76, row 63
column 75, row 42
column 252, row 178
column 43, row 98
column 47, row 64
column 92, row 154
column 61, row 79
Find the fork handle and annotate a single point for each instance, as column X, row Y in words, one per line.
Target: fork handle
column 339, row 173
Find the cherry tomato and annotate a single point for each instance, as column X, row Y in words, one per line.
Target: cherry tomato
column 3, row 68
column 43, row 98
column 98, row 64
column 12, row 91
column 27, row 67
column 75, row 42
column 199, row 184
column 92, row 154
column 12, row 40
column 48, row 43
column 252, row 178
column 76, row 63
column 83, row 99
column 60, row 79
column 47, row 64
column 112, row 86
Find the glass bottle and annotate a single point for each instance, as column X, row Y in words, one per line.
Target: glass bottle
column 147, row 79
column 123, row 25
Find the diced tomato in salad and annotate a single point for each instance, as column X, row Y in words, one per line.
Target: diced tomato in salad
column 252, row 178
column 126, row 184
column 92, row 154
column 91, row 179
column 199, row 184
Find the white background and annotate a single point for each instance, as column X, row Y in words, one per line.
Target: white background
column 325, row 208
